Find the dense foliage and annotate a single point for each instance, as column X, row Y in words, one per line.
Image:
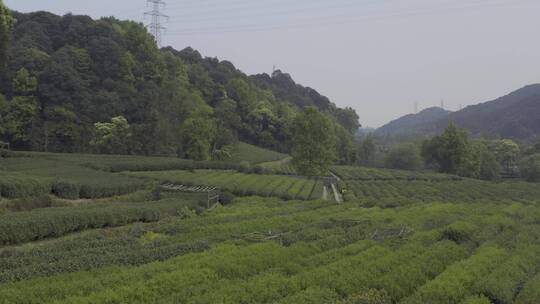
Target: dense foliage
column 405, row 157
column 453, row 152
column 314, row 143
column 6, row 23
column 73, row 84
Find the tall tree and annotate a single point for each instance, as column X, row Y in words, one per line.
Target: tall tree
column 199, row 132
column 314, row 143
column 366, row 151
column 530, row 168
column 6, row 23
column 113, row 137
column 21, row 112
column 448, row 151
column 506, row 151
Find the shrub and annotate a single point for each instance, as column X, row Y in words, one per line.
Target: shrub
column 454, row 284
column 226, row 197
column 459, row 232
column 16, row 185
column 244, row 167
column 155, row 194
column 5, row 153
column 477, row 300
column 258, row 170
column 371, row 296
column 65, row 189
column 186, row 213
column 502, row 285
column 29, row 203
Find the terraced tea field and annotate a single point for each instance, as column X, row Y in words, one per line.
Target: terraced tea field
column 397, row 239
column 393, row 188
column 271, row 251
column 241, row 184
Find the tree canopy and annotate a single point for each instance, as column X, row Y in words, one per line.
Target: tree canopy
column 405, row 157
column 314, row 145
column 6, row 24
column 453, row 152
column 67, row 77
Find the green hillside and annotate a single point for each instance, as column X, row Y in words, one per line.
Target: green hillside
column 512, row 116
column 73, row 84
column 254, row 154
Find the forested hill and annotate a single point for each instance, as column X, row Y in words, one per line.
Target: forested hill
column 73, row 84
column 515, row 116
column 407, row 124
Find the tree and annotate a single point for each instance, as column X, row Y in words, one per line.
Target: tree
column 530, row 168
column 344, row 145
column 348, row 119
column 489, row 167
column 405, row 157
column 453, row 152
column 366, row 151
column 448, row 151
column 537, row 147
column 314, row 143
column 24, row 84
column 6, row 24
column 506, row 151
column 199, row 132
column 21, row 112
column 113, row 137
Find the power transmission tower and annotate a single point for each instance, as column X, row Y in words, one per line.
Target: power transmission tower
column 155, row 26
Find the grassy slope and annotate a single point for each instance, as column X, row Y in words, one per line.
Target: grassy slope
column 254, row 154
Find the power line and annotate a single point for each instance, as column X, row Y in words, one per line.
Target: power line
column 344, row 19
column 255, row 7
column 155, row 26
column 273, row 13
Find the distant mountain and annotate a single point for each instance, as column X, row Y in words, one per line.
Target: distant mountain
column 409, row 123
column 515, row 116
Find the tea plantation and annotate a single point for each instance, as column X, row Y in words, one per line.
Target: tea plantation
column 399, row 237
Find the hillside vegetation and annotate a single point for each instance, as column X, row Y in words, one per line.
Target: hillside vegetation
column 407, row 125
column 513, row 116
column 73, row 84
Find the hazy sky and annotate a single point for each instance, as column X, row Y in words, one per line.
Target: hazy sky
column 377, row 56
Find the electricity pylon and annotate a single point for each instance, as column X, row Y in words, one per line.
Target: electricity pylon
column 155, row 26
